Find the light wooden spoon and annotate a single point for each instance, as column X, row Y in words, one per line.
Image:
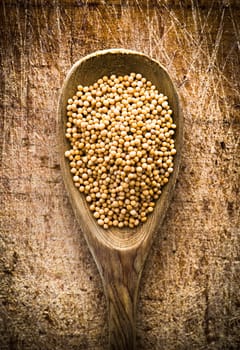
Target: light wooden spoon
column 119, row 253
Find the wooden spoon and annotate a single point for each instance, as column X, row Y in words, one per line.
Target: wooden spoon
column 119, row 253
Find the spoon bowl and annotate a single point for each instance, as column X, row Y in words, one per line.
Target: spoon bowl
column 119, row 253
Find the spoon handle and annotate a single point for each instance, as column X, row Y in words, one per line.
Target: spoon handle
column 121, row 277
column 121, row 318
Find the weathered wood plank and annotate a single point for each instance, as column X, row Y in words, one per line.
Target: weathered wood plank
column 128, row 3
column 51, row 295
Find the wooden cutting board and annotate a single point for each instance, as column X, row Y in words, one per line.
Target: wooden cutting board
column 51, row 295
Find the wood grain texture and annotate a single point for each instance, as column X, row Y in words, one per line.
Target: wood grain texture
column 50, row 291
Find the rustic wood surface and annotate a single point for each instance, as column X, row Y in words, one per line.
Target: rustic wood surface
column 51, row 295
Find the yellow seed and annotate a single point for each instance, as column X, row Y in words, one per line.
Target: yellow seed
column 120, row 131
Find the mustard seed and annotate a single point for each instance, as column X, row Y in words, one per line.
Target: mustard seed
column 120, row 131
